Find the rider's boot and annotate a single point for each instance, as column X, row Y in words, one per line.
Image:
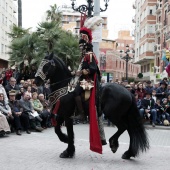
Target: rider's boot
column 81, row 115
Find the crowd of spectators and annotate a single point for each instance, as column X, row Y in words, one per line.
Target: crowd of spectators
column 153, row 100
column 23, row 105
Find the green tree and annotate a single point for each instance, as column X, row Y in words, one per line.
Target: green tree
column 54, row 14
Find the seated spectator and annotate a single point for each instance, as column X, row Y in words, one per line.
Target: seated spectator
column 12, row 86
column 28, row 109
column 5, row 109
column 4, row 126
column 36, row 89
column 21, row 83
column 29, row 82
column 165, row 114
column 159, row 110
column 29, row 91
column 162, row 90
column 138, row 101
column 46, row 111
column 25, row 85
column 140, row 91
column 20, row 94
column 2, row 90
column 148, row 108
column 21, row 119
column 39, row 108
column 149, row 87
column 154, row 95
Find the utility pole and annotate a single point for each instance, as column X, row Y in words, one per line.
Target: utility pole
column 20, row 13
column 96, row 44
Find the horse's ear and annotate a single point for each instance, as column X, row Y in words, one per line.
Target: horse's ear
column 51, row 56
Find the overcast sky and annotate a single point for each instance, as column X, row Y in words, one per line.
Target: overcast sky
column 119, row 13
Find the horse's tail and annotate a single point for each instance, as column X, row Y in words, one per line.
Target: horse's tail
column 138, row 135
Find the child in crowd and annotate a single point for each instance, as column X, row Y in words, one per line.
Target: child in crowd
column 165, row 114
column 154, row 95
column 159, row 110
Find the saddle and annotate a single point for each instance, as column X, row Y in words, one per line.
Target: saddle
column 87, row 85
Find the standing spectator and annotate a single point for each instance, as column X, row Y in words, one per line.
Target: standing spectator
column 20, row 118
column 140, row 91
column 148, row 108
column 166, row 80
column 3, row 80
column 2, row 91
column 8, row 74
column 33, row 72
column 162, row 90
column 12, row 86
column 16, row 74
column 149, row 87
column 25, row 85
column 156, row 85
column 28, row 109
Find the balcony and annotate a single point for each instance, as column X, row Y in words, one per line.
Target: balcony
column 133, row 20
column 165, row 22
column 168, row 37
column 159, row 8
column 158, row 28
column 134, row 6
column 157, row 49
column 168, row 12
column 166, row 3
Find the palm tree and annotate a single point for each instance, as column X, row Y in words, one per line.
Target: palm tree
column 20, row 13
column 54, row 14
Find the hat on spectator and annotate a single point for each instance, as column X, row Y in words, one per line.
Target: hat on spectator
column 128, row 86
column 12, row 93
column 149, row 82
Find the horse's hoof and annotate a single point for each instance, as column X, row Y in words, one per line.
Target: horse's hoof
column 127, row 155
column 104, row 142
column 65, row 154
column 114, row 149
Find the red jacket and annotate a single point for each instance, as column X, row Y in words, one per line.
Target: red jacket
column 141, row 94
column 8, row 74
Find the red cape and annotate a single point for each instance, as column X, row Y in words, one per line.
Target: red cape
column 95, row 141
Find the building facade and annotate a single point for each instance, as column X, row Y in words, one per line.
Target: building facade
column 8, row 17
column 145, row 36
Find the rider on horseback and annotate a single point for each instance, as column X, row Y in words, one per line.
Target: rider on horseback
column 89, row 70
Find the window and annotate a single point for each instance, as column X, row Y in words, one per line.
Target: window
column 142, row 69
column 2, row 48
column 148, row 67
column 150, row 11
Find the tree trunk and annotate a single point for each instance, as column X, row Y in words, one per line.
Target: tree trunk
column 20, row 13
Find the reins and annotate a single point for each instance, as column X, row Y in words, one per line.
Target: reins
column 60, row 81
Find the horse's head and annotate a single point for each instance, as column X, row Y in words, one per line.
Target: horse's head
column 45, row 70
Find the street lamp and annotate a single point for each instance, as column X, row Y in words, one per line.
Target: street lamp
column 127, row 58
column 88, row 8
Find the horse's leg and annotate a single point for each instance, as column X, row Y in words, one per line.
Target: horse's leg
column 63, row 137
column 70, row 151
column 129, row 153
column 114, row 144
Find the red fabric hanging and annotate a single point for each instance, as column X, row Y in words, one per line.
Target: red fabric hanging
column 95, row 141
column 55, row 110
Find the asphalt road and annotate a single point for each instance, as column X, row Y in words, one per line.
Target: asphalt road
column 40, row 151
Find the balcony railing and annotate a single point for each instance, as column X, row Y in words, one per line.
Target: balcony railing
column 168, row 36
column 157, row 48
column 158, row 28
column 133, row 20
column 134, row 6
column 158, row 8
column 168, row 9
column 165, row 22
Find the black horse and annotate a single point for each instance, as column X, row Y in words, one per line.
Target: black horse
column 118, row 105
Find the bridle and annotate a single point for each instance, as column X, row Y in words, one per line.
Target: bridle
column 40, row 72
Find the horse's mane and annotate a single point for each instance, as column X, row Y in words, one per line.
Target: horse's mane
column 62, row 64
